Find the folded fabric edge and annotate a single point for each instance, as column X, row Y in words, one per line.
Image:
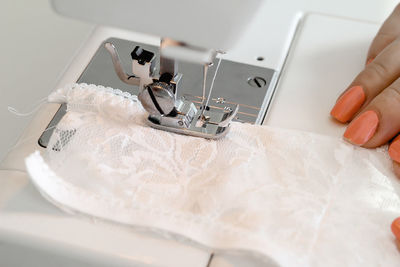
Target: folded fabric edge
column 59, row 193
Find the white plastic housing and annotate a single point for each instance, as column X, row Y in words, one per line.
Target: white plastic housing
column 215, row 24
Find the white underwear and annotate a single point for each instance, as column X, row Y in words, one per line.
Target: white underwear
column 299, row 198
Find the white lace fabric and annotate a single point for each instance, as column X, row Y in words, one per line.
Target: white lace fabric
column 299, row 198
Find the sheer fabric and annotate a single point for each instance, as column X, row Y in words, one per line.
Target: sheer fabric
column 299, row 198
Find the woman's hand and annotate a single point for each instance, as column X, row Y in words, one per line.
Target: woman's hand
column 371, row 103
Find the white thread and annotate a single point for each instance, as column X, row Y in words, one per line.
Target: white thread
column 36, row 106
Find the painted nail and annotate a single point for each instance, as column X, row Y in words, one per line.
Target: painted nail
column 348, row 104
column 369, row 60
column 394, row 149
column 361, row 129
column 396, row 228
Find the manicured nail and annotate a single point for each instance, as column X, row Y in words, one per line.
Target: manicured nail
column 394, row 149
column 348, row 104
column 396, row 228
column 361, row 129
column 369, row 60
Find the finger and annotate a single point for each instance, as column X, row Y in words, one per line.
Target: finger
column 396, row 228
column 396, row 168
column 389, row 31
column 379, row 121
column 369, row 83
column 394, row 153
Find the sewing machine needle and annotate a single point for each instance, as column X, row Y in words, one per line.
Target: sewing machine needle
column 204, row 106
column 205, row 69
column 200, row 120
column 212, row 82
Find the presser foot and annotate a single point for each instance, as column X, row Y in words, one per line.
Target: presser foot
column 157, row 94
column 189, row 120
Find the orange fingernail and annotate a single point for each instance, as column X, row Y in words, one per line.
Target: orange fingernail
column 396, row 228
column 369, row 60
column 348, row 104
column 394, row 149
column 362, row 128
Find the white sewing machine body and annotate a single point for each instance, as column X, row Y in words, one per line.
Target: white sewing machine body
column 293, row 97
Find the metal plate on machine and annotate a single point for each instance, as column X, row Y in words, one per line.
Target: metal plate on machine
column 249, row 86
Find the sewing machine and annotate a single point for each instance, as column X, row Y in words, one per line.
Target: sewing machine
column 172, row 80
column 171, row 75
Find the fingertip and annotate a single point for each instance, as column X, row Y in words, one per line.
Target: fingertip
column 348, row 104
column 396, row 228
column 362, row 128
column 394, row 151
column 396, row 168
column 337, row 116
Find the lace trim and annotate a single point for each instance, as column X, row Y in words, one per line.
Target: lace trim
column 62, row 95
column 111, row 103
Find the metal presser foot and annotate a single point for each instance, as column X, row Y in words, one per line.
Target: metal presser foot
column 158, row 97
